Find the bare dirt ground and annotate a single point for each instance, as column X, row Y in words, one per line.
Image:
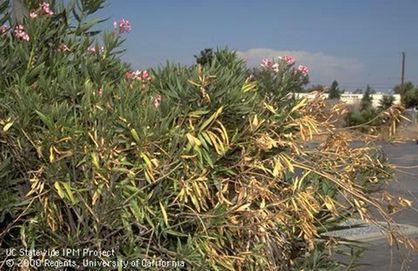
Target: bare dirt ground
column 408, row 133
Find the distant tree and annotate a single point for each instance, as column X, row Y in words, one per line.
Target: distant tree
column 366, row 101
column 408, row 86
column 334, row 92
column 370, row 90
column 409, row 94
column 358, row 91
column 205, row 57
column 386, row 102
column 410, row 98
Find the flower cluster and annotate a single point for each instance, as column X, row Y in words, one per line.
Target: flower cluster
column 303, row 70
column 123, row 26
column 63, row 48
column 20, row 33
column 267, row 63
column 44, row 8
column 94, row 50
column 156, row 100
column 138, row 75
column 270, row 64
column 290, row 60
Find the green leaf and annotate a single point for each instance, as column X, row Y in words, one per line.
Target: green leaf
column 46, row 120
column 211, row 119
column 69, row 192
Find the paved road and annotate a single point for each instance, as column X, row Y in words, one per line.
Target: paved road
column 380, row 256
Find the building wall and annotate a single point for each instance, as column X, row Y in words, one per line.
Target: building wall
column 351, row 98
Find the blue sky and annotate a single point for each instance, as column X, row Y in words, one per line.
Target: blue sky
column 356, row 42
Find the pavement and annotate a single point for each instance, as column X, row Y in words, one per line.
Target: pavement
column 379, row 255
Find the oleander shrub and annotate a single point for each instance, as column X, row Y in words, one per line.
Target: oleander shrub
column 381, row 120
column 203, row 164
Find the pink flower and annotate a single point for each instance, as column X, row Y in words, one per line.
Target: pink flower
column 267, row 63
column 20, row 33
column 93, row 50
column 156, row 100
column 46, row 9
column 63, row 48
column 3, row 29
column 303, row 70
column 145, row 75
column 288, row 59
column 138, row 75
column 33, row 15
column 133, row 74
column 123, row 26
column 100, row 92
column 130, row 75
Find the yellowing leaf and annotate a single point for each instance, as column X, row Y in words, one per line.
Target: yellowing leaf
column 286, row 160
column 164, row 214
column 243, row 207
column 270, row 108
column 51, row 154
column 7, row 126
column 69, row 192
column 248, row 86
column 301, row 104
column 59, row 190
column 95, row 160
column 193, row 140
column 135, row 135
column 278, row 167
column 211, row 118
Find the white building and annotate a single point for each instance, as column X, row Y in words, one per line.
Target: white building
column 352, row 98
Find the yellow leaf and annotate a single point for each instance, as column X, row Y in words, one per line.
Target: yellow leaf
column 51, row 154
column 7, row 126
column 224, row 133
column 243, row 207
column 302, row 103
column 95, row 160
column 193, row 140
column 59, row 190
column 147, row 160
column 164, row 214
column 69, row 192
column 278, row 167
column 135, row 135
column 217, row 143
column 248, row 86
column 286, row 160
column 254, row 124
column 210, row 119
column 270, row 108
